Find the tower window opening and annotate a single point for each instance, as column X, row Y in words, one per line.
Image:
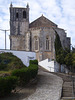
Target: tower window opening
column 16, row 15
column 24, row 14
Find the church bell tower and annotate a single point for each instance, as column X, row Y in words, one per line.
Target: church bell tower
column 19, row 25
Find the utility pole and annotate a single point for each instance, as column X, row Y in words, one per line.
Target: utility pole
column 5, row 36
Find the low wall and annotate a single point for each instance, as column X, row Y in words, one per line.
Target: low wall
column 48, row 65
column 23, row 55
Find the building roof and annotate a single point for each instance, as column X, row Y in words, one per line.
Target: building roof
column 42, row 22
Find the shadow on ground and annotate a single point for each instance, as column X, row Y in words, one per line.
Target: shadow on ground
column 22, row 92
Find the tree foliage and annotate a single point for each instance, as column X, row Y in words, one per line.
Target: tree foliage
column 60, row 56
column 58, row 45
column 73, row 59
column 68, row 60
column 63, row 56
column 59, row 52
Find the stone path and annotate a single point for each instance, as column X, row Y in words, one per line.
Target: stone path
column 48, row 87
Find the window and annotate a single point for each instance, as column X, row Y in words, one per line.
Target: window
column 36, row 43
column 16, row 15
column 47, row 43
column 30, row 41
column 24, row 14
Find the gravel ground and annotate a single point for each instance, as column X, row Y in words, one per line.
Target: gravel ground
column 48, row 87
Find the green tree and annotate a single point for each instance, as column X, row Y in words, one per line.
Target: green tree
column 68, row 61
column 58, row 51
column 73, row 60
column 58, row 45
column 64, row 56
column 73, row 49
column 60, row 56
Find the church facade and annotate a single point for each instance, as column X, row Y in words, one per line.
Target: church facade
column 37, row 36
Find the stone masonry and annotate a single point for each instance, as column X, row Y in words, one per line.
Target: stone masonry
column 37, row 36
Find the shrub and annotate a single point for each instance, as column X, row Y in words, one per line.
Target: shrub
column 7, row 84
column 26, row 74
column 33, row 62
column 23, row 75
column 33, row 70
column 10, row 62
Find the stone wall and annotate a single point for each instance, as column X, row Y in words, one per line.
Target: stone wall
column 17, row 42
column 42, row 34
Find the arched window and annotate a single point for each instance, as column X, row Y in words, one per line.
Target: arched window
column 24, row 14
column 47, row 43
column 36, row 43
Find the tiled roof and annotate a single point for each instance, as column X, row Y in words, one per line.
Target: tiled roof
column 42, row 22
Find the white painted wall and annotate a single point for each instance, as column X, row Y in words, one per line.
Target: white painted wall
column 23, row 55
column 48, row 65
column 56, row 66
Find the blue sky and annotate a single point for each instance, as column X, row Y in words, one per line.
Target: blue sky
column 61, row 12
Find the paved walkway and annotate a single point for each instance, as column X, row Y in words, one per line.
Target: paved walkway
column 48, row 87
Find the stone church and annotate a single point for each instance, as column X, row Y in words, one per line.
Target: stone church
column 37, row 36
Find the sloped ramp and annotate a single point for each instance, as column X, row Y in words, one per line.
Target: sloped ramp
column 48, row 87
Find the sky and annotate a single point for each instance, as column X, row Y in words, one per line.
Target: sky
column 61, row 12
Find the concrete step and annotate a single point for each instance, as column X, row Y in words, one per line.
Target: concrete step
column 67, row 88
column 67, row 95
column 67, row 85
column 67, row 92
column 68, row 98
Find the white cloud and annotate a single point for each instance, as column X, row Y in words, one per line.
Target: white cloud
column 61, row 12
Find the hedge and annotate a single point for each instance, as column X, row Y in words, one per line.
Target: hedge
column 13, row 72
column 33, row 70
column 23, row 75
column 33, row 62
column 26, row 74
column 7, row 84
